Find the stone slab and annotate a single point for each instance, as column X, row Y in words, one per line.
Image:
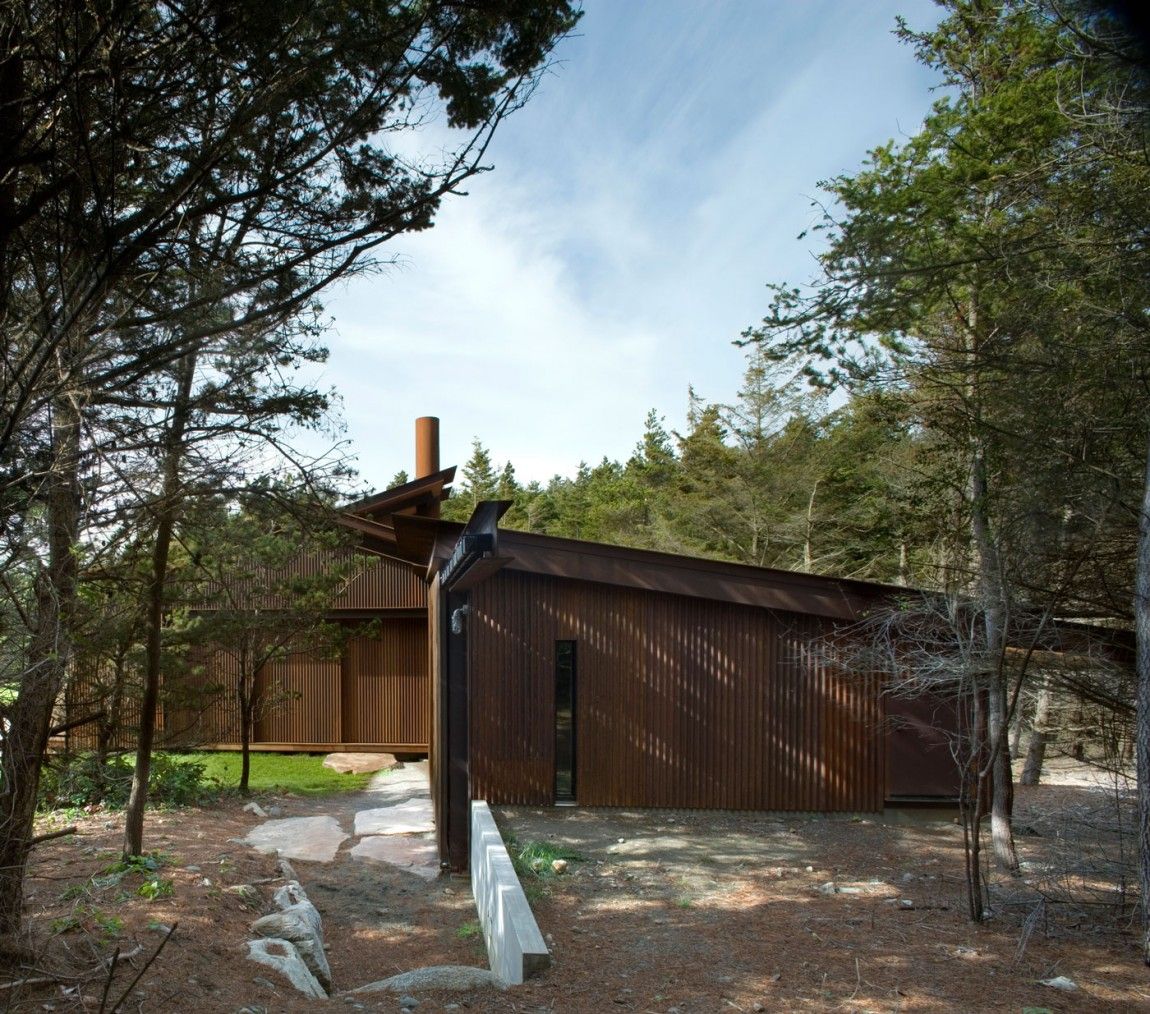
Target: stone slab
column 315, row 839
column 401, row 783
column 360, row 763
column 416, row 855
column 515, row 947
column 415, row 816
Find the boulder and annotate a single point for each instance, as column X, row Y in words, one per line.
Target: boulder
column 434, row 977
column 298, row 922
column 282, row 956
column 360, row 763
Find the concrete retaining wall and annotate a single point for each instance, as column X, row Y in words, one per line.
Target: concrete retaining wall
column 515, row 947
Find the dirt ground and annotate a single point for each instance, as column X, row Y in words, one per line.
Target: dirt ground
column 665, row 911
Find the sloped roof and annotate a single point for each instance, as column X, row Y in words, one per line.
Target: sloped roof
column 417, row 497
column 426, row 543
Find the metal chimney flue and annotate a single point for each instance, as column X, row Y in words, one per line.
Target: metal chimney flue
column 426, row 446
column 427, row 458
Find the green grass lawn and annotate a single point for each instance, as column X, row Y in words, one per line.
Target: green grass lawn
column 278, row 772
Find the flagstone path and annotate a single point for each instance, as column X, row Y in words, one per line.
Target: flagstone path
column 391, row 821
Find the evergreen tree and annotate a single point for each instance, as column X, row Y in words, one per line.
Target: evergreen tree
column 965, row 271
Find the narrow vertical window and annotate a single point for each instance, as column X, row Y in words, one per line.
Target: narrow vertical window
column 564, row 721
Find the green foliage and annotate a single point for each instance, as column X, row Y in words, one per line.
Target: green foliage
column 155, row 887
column 990, row 272
column 774, row 479
column 89, row 920
column 532, row 860
column 76, row 780
column 145, row 865
column 470, row 930
column 480, row 481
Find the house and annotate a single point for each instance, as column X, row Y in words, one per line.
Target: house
column 539, row 670
column 567, row 671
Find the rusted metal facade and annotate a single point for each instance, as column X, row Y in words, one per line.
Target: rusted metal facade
column 680, row 702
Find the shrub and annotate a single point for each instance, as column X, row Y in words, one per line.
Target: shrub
column 81, row 779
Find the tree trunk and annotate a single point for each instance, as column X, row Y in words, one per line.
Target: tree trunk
column 1039, row 737
column 971, row 805
column 993, row 601
column 167, row 509
column 48, row 659
column 1142, row 730
column 808, row 556
column 245, row 695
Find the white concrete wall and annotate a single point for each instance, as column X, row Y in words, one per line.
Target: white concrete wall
column 515, row 947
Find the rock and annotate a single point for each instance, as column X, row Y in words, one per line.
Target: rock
column 286, row 870
column 559, row 865
column 282, row 956
column 254, row 807
column 292, row 893
column 299, row 922
column 275, row 811
column 360, row 763
column 408, row 1002
column 1060, row 982
column 434, row 977
column 248, row 894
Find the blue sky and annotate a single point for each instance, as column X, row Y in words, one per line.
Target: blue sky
column 638, row 206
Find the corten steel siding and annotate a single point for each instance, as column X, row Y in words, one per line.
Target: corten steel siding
column 680, row 702
column 921, row 733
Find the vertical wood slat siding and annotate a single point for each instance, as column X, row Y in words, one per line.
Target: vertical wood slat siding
column 201, row 706
column 90, row 690
column 298, row 693
column 385, row 693
column 680, row 702
column 376, row 694
column 384, row 584
column 381, row 584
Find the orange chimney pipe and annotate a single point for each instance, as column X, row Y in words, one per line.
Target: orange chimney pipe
column 426, row 446
column 427, row 457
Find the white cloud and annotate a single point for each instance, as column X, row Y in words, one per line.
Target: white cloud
column 639, row 205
